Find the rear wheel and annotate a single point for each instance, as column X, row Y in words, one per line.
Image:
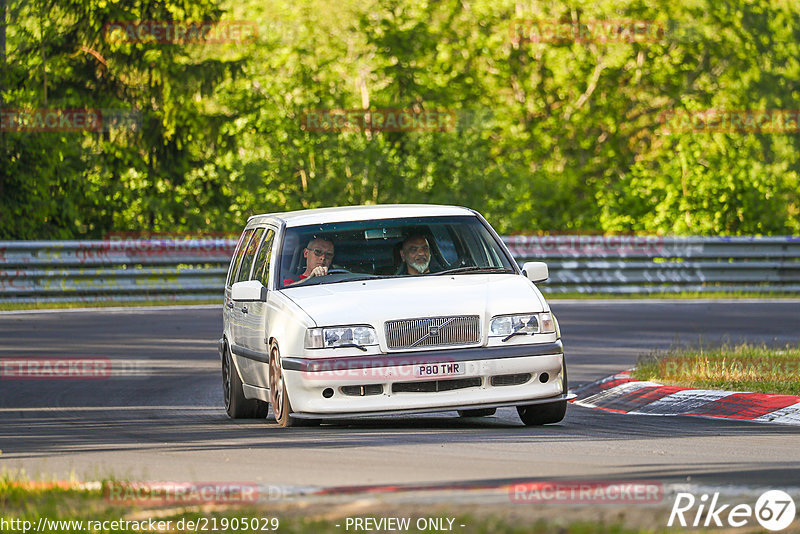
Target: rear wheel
column 478, row 412
column 542, row 414
column 236, row 405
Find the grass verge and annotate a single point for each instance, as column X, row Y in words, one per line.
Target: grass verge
column 15, row 306
column 743, row 367
column 62, row 508
column 711, row 295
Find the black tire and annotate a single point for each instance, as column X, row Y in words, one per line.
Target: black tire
column 279, row 399
column 542, row 414
column 478, row 412
column 236, row 405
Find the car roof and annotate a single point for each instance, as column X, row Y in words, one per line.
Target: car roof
column 358, row 213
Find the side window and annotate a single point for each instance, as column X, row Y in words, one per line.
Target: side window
column 261, row 270
column 249, row 255
column 237, row 256
column 445, row 243
column 475, row 248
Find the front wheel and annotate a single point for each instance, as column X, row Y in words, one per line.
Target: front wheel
column 236, row 405
column 277, row 389
column 542, row 414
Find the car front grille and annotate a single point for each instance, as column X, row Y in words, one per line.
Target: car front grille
column 435, row 386
column 433, row 332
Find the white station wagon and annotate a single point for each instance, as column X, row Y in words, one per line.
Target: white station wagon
column 396, row 309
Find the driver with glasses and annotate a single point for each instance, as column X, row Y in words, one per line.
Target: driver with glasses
column 319, row 256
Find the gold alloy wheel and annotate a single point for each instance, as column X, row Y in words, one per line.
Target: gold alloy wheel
column 277, row 387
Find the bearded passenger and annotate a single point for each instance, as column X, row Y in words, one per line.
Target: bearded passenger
column 416, row 255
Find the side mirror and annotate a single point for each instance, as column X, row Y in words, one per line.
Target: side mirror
column 250, row 291
column 536, row 271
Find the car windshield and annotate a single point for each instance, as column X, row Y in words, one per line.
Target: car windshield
column 414, row 246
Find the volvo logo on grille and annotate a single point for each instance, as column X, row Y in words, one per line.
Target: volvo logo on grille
column 433, row 331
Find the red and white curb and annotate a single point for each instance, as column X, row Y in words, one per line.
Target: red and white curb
column 623, row 394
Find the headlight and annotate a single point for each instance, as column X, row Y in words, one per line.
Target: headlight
column 535, row 323
column 338, row 336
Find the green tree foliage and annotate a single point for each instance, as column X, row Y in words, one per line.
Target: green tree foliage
column 142, row 172
column 550, row 135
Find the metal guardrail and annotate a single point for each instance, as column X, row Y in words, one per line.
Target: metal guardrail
column 124, row 270
column 629, row 264
column 195, row 269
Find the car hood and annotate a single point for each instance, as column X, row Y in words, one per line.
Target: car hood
column 377, row 301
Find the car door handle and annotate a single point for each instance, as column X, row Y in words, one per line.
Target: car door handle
column 244, row 309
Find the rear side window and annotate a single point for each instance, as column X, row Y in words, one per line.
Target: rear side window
column 249, row 255
column 237, row 255
column 261, row 270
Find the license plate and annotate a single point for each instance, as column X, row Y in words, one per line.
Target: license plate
column 440, row 369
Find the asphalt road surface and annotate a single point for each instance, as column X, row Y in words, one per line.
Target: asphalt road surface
column 160, row 416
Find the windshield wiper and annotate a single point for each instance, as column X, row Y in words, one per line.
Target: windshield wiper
column 512, row 334
column 475, row 269
column 320, row 280
column 351, row 346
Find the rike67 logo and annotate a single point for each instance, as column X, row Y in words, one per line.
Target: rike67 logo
column 774, row 510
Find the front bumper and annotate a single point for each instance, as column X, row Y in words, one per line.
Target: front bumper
column 393, row 387
column 327, row 416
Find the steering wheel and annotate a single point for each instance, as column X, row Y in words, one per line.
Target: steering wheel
column 338, row 271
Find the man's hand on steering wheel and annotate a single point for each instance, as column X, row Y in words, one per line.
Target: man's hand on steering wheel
column 318, row 271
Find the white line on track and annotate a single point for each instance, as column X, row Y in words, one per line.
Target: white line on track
column 120, row 309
